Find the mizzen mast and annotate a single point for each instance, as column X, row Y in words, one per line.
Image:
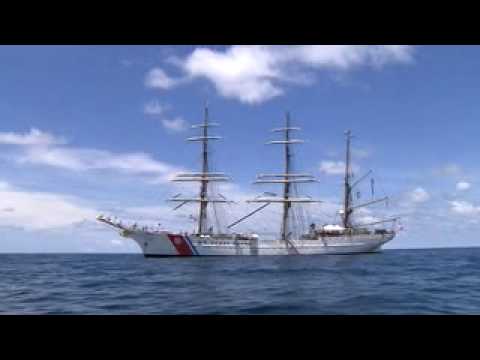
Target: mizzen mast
column 348, row 207
column 204, row 177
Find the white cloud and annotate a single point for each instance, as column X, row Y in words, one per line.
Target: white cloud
column 41, row 148
column 254, row 73
column 464, row 208
column 79, row 159
column 347, row 56
column 449, row 170
column 154, row 108
column 463, row 185
column 332, row 167
column 38, row 210
column 175, row 125
column 419, row 195
column 243, row 72
column 126, row 62
column 32, row 138
column 361, row 153
column 335, row 167
column 158, row 79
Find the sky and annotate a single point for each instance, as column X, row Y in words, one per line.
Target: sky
column 89, row 130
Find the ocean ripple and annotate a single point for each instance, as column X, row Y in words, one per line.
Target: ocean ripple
column 443, row 281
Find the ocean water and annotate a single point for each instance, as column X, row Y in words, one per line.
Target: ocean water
column 440, row 281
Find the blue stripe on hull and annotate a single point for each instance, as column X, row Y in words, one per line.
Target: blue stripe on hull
column 194, row 250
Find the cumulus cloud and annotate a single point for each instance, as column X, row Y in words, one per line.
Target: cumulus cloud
column 449, row 170
column 154, row 108
column 334, row 167
column 33, row 137
column 463, row 186
column 243, row 72
column 158, row 79
column 45, row 149
column 464, row 208
column 361, row 153
column 38, row 210
column 175, row 125
column 257, row 73
column 419, row 195
column 157, row 110
column 79, row 159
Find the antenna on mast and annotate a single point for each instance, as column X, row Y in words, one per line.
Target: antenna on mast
column 206, row 103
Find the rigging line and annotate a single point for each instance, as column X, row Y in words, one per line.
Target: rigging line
column 361, row 179
column 301, row 212
column 179, row 206
column 290, row 246
column 380, row 183
column 295, row 209
column 292, row 221
column 217, row 223
column 220, row 210
column 248, row 215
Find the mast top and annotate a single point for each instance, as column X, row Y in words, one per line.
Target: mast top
column 349, row 135
column 287, row 178
column 206, row 121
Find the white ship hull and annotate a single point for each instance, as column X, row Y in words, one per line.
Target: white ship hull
column 165, row 244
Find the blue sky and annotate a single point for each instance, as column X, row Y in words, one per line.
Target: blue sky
column 100, row 129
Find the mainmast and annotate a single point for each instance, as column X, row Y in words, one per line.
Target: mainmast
column 204, row 177
column 347, row 202
column 287, row 178
column 202, row 218
column 286, row 186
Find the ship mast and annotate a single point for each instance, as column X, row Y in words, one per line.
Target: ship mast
column 348, row 207
column 204, row 177
column 286, row 186
column 202, row 218
column 287, row 179
column 347, row 201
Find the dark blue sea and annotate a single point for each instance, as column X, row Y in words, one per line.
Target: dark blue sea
column 440, row 281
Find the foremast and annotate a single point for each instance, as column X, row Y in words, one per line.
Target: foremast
column 204, row 177
column 287, row 179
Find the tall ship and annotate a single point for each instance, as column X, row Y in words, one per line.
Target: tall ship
column 294, row 236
